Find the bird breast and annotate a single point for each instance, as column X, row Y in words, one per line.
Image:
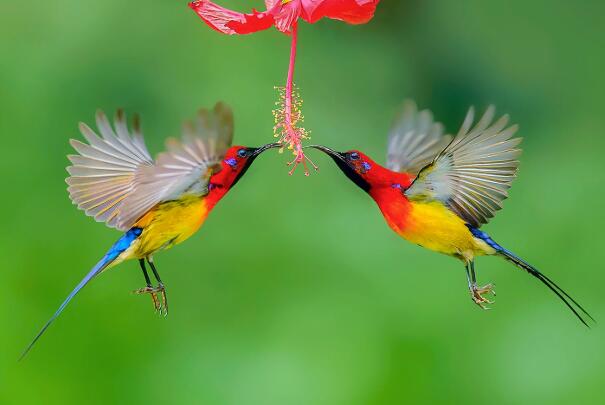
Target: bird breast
column 170, row 223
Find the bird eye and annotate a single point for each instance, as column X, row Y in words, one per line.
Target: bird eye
column 354, row 156
column 242, row 153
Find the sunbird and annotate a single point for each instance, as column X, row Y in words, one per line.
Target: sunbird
column 157, row 204
column 437, row 190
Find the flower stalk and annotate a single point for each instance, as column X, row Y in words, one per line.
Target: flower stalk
column 288, row 115
column 284, row 16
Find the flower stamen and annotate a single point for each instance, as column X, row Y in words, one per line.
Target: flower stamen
column 288, row 116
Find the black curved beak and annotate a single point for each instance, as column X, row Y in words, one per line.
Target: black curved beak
column 254, row 152
column 330, row 152
column 342, row 163
column 258, row 151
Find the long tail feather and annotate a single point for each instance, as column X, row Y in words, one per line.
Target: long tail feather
column 96, row 270
column 120, row 246
column 572, row 304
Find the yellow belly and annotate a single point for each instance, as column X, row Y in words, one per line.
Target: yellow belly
column 434, row 226
column 168, row 224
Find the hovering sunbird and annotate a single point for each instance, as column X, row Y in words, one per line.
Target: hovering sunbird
column 157, row 204
column 437, row 190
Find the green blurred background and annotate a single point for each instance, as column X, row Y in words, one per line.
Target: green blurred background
column 295, row 291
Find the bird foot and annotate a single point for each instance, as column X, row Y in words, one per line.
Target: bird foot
column 478, row 292
column 160, row 305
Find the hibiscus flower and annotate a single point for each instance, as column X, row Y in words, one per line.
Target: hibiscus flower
column 284, row 15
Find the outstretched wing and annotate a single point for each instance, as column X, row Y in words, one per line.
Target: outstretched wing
column 115, row 180
column 186, row 167
column 103, row 175
column 414, row 139
column 473, row 173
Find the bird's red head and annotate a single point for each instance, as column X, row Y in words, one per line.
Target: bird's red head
column 365, row 172
column 234, row 165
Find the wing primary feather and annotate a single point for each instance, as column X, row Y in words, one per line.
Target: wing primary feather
column 473, row 173
column 114, row 179
column 414, row 139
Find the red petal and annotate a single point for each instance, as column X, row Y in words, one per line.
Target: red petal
column 285, row 14
column 271, row 3
column 350, row 11
column 231, row 22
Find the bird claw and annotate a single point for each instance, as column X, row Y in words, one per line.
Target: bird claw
column 161, row 306
column 477, row 295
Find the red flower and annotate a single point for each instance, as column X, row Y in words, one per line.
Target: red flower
column 283, row 14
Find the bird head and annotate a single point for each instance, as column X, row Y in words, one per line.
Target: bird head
column 361, row 169
column 234, row 165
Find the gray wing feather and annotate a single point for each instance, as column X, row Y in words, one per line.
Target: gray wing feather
column 473, row 173
column 114, row 179
column 414, row 139
column 186, row 166
column 102, row 175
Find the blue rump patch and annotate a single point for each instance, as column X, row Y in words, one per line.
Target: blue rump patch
column 124, row 243
column 479, row 234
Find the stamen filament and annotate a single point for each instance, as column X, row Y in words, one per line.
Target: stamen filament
column 289, row 114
